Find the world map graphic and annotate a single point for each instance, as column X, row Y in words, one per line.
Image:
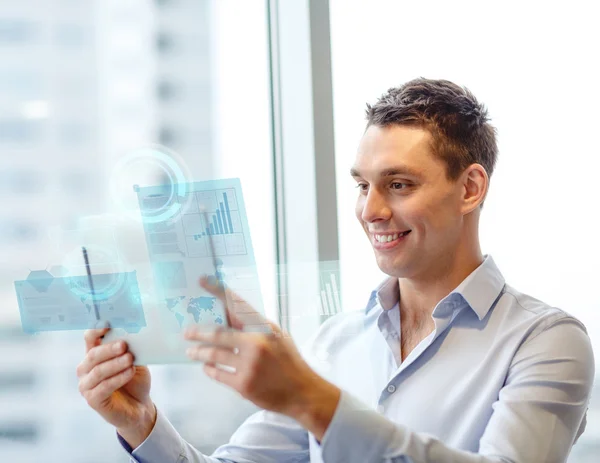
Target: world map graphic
column 202, row 309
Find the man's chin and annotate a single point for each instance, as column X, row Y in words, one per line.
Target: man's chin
column 396, row 269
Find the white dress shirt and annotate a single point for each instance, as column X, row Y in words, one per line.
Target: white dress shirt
column 503, row 377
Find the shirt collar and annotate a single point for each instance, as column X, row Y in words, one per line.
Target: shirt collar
column 480, row 289
column 385, row 296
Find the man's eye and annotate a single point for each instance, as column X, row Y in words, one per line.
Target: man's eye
column 398, row 185
column 362, row 186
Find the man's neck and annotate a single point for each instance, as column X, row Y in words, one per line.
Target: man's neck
column 419, row 296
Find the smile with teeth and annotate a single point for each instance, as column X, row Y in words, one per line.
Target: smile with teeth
column 388, row 238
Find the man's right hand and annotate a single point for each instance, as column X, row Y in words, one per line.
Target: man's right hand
column 115, row 388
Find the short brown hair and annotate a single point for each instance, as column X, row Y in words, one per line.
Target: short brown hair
column 458, row 123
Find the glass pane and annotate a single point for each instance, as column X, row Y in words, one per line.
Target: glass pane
column 540, row 86
column 85, row 85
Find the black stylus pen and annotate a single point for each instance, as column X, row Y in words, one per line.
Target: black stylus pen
column 218, row 277
column 90, row 282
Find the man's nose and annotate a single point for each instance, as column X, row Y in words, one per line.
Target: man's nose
column 375, row 207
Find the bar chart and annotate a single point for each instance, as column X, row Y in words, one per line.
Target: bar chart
column 330, row 296
column 323, row 299
column 222, row 221
column 222, row 211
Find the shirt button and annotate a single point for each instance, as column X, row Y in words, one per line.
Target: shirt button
column 391, row 388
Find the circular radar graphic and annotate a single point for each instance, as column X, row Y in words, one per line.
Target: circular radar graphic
column 158, row 170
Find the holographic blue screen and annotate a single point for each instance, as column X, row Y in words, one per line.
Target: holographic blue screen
column 179, row 224
column 160, row 293
column 49, row 303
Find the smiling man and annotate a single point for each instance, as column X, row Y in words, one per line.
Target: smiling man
column 447, row 362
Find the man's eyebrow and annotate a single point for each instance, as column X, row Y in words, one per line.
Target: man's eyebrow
column 391, row 171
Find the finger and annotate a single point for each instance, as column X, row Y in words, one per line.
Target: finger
column 100, row 354
column 212, row 355
column 213, row 287
column 219, row 337
column 241, row 315
column 106, row 388
column 93, row 338
column 105, row 371
column 225, row 296
column 220, row 375
column 239, row 312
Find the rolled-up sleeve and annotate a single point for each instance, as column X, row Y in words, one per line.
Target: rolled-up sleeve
column 537, row 417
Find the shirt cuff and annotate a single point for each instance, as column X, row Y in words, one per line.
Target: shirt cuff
column 357, row 433
column 164, row 443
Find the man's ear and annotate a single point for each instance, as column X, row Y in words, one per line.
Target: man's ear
column 475, row 183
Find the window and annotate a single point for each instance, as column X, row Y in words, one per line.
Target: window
column 25, row 84
column 167, row 137
column 19, row 130
column 166, row 90
column 545, row 179
column 18, row 432
column 165, row 42
column 18, row 230
column 21, row 181
column 16, row 31
column 121, row 91
column 20, row 382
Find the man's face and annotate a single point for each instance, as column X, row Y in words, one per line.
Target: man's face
column 408, row 208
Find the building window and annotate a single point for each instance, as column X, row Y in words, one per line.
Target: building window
column 162, row 3
column 20, row 432
column 18, row 231
column 164, row 42
column 22, row 381
column 166, row 136
column 20, row 181
column 22, row 85
column 15, row 31
column 18, row 130
column 166, row 90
